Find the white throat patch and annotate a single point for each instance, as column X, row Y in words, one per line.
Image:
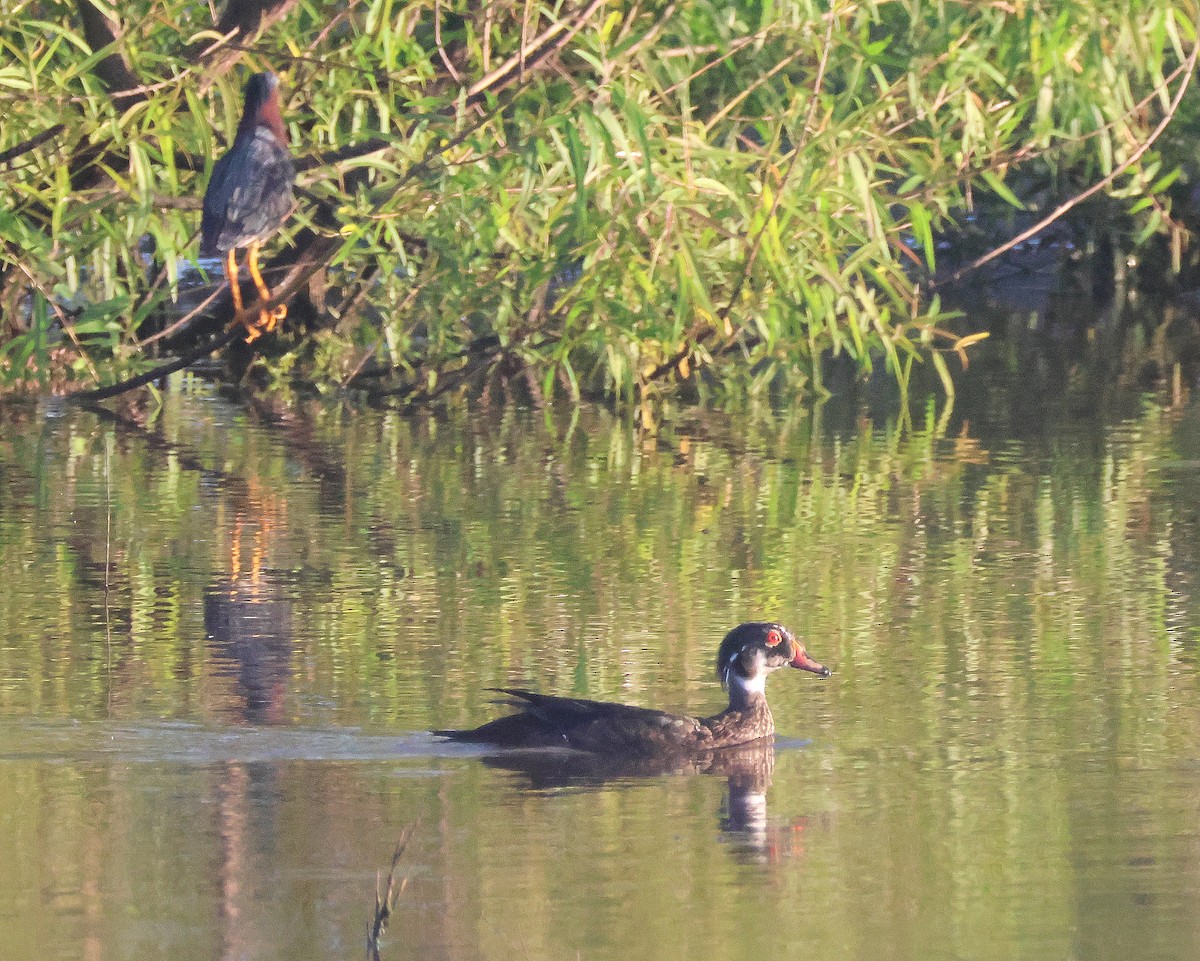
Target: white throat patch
column 756, row 684
column 747, row 685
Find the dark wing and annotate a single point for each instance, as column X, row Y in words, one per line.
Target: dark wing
column 600, row 726
column 249, row 194
column 216, row 199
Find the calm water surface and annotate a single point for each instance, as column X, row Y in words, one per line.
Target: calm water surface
column 214, row 757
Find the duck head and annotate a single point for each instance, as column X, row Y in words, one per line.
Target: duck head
column 752, row 651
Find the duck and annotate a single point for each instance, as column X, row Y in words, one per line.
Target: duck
column 746, row 656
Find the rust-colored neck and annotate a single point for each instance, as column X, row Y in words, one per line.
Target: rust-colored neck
column 269, row 115
column 262, row 110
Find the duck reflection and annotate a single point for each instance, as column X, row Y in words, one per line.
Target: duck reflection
column 747, row 769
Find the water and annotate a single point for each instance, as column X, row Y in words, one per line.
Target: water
column 215, row 756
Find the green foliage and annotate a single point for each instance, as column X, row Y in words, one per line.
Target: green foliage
column 641, row 196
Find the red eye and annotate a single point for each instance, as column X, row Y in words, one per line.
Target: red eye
column 773, row 638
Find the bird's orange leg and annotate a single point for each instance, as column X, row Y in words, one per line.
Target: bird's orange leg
column 269, row 319
column 231, row 274
column 235, row 290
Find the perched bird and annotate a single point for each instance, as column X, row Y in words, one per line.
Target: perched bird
column 747, row 655
column 250, row 194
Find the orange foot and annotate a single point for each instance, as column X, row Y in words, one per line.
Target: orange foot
column 267, row 321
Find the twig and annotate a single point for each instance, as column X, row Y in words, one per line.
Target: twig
column 437, row 39
column 385, row 900
column 524, row 37
column 63, row 320
column 334, row 21
column 7, row 156
column 553, row 38
column 478, row 354
column 159, row 280
column 182, row 321
column 725, row 55
column 737, row 101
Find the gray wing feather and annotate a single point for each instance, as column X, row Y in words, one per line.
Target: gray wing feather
column 240, row 208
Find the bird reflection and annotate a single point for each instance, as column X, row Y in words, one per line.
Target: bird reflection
column 743, row 821
column 248, row 620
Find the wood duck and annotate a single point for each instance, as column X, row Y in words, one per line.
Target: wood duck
column 747, row 655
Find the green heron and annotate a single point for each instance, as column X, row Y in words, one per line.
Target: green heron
column 250, row 194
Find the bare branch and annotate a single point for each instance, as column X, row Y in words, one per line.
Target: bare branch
column 1063, row 208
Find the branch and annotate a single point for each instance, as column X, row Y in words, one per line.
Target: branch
column 141, row 380
column 12, row 153
column 385, row 899
column 551, row 40
column 1061, row 209
column 242, row 20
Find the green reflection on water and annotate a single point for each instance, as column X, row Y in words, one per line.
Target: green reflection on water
column 1003, row 765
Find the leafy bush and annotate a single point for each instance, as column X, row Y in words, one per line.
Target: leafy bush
column 598, row 198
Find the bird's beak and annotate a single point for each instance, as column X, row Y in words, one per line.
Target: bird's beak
column 806, row 663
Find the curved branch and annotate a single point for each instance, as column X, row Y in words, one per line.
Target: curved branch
column 141, row 380
column 1095, row 188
